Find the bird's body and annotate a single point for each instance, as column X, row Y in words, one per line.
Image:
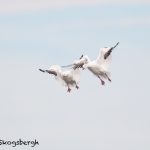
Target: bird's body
column 96, row 69
column 100, row 66
column 69, row 78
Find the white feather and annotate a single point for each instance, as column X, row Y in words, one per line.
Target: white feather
column 69, row 78
column 99, row 67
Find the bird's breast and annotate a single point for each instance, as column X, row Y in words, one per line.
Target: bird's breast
column 97, row 70
column 67, row 78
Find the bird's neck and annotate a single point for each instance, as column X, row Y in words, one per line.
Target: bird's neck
column 88, row 59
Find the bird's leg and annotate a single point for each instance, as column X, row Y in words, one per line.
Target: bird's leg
column 77, row 87
column 69, row 89
column 102, row 82
column 107, row 77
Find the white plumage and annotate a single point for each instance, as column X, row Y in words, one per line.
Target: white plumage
column 100, row 66
column 69, row 78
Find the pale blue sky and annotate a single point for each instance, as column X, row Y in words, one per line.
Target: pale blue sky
column 34, row 105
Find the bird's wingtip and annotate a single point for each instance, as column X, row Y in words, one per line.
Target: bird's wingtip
column 81, row 56
column 41, row 70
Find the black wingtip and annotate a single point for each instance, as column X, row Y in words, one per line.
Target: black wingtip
column 115, row 46
column 81, row 56
column 41, row 70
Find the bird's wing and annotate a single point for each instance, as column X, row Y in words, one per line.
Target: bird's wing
column 109, row 51
column 104, row 54
column 68, row 66
column 60, row 79
column 52, row 72
column 78, row 64
column 102, row 60
column 57, row 69
column 107, row 54
column 73, row 64
column 49, row 71
column 81, row 62
column 41, row 70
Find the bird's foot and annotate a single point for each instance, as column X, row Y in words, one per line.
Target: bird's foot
column 109, row 79
column 69, row 90
column 102, row 82
column 77, row 87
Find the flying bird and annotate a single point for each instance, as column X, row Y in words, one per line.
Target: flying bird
column 99, row 67
column 69, row 78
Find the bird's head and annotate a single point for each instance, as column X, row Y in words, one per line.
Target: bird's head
column 86, row 59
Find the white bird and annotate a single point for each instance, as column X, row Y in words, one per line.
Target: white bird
column 99, row 67
column 69, row 78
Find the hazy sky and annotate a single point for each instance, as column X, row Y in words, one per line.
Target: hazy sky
column 36, row 34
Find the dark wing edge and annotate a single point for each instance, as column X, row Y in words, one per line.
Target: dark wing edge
column 109, row 52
